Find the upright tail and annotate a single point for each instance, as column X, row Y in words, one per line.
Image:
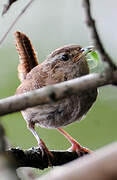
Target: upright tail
column 27, row 56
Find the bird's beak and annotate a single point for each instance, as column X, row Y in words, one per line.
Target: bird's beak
column 83, row 52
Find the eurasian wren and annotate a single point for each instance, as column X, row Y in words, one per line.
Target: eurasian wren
column 65, row 63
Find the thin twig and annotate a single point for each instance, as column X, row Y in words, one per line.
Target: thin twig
column 15, row 21
column 7, row 6
column 55, row 92
column 33, row 157
column 97, row 41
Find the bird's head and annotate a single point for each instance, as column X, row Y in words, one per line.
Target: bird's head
column 69, row 61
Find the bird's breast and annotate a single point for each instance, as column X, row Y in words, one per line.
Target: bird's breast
column 62, row 112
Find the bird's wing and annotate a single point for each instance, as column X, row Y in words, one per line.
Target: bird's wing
column 39, row 77
column 35, row 79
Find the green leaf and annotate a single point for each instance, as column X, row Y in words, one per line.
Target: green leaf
column 94, row 55
column 92, row 59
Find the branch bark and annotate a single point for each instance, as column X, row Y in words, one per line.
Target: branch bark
column 55, row 92
column 7, row 170
column 95, row 36
column 102, row 165
column 15, row 21
column 33, row 157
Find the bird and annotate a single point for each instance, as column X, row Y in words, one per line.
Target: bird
column 63, row 64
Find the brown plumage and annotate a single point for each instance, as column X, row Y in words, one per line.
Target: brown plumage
column 63, row 64
column 27, row 55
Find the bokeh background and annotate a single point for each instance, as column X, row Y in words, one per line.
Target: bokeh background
column 51, row 24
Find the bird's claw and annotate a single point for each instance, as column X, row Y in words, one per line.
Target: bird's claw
column 76, row 147
column 45, row 151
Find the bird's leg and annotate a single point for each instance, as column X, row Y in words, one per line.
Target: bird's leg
column 41, row 144
column 75, row 145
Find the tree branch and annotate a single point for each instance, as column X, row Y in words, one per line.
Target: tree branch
column 102, row 165
column 7, row 169
column 55, row 92
column 95, row 36
column 7, row 6
column 15, row 21
column 33, row 158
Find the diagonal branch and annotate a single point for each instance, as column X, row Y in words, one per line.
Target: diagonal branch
column 15, row 21
column 95, row 36
column 55, row 92
column 101, row 165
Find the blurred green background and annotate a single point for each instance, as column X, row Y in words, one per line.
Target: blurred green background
column 51, row 24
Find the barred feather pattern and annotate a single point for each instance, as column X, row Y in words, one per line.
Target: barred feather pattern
column 27, row 56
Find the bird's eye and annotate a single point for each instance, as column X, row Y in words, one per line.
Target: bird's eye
column 65, row 57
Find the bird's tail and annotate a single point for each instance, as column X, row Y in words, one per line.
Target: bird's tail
column 27, row 56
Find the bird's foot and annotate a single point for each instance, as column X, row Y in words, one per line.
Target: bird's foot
column 45, row 151
column 76, row 147
column 41, row 144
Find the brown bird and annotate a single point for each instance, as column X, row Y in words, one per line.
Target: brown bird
column 65, row 63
